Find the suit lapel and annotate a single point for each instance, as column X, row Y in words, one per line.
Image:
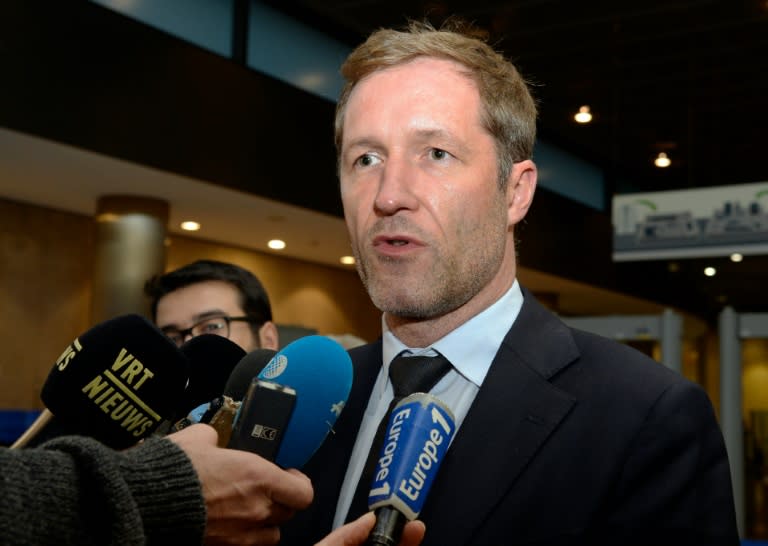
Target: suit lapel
column 514, row 413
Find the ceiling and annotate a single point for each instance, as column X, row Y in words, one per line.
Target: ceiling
column 689, row 78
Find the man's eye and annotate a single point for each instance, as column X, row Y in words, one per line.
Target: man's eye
column 212, row 327
column 366, row 160
column 438, row 154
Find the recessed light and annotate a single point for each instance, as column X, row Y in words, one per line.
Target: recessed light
column 276, row 244
column 710, row 271
column 107, row 217
column 190, row 225
column 347, row 260
column 736, row 257
column 662, row 160
column 583, row 115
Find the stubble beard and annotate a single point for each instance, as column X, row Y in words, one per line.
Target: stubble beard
column 414, row 291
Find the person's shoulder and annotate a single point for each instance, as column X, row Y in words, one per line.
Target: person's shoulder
column 614, row 382
column 600, row 347
column 629, row 369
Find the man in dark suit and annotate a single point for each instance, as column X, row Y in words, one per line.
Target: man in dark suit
column 564, row 437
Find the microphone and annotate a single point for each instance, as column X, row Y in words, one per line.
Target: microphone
column 293, row 403
column 219, row 411
column 418, row 434
column 116, row 383
column 249, row 367
column 212, row 359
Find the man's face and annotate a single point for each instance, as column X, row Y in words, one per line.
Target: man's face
column 186, row 306
column 427, row 220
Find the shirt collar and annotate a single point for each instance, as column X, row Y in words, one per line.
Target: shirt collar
column 472, row 346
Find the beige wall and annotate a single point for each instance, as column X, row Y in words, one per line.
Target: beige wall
column 46, row 259
column 45, row 264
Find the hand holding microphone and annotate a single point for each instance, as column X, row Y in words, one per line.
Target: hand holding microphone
column 355, row 533
column 246, row 497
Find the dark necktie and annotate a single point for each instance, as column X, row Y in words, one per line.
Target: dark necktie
column 409, row 374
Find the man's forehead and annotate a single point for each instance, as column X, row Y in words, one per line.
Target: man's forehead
column 198, row 301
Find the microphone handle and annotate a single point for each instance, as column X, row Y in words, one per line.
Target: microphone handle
column 34, row 429
column 388, row 528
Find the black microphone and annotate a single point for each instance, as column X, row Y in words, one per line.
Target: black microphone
column 116, row 383
column 249, row 367
column 419, row 431
column 212, row 360
column 219, row 410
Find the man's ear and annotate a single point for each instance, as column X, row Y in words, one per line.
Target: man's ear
column 520, row 189
column 268, row 337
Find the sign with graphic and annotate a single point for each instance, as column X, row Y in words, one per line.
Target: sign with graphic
column 691, row 223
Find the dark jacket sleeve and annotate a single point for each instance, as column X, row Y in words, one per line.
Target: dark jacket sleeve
column 74, row 490
column 676, row 476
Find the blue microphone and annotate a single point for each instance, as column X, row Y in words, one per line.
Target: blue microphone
column 419, row 431
column 293, row 403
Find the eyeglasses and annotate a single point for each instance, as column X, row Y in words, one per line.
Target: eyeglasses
column 212, row 325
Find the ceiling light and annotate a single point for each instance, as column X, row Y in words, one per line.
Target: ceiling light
column 710, row 271
column 190, row 225
column 107, row 217
column 347, row 260
column 736, row 257
column 583, row 115
column 276, row 244
column 662, row 161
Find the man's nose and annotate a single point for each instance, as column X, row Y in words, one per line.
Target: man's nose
column 395, row 186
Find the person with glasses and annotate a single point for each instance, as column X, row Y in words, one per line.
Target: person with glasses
column 213, row 297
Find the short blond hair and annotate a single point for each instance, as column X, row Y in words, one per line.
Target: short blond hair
column 508, row 108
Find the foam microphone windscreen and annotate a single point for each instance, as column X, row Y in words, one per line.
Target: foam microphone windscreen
column 320, row 371
column 419, row 431
column 115, row 383
column 212, row 359
column 245, row 371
